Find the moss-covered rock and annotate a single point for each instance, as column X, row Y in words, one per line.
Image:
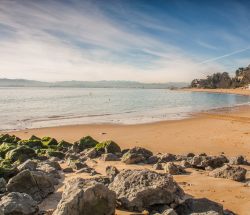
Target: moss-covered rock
column 108, row 146
column 33, row 137
column 9, row 138
column 49, row 141
column 57, row 154
column 21, row 153
column 84, row 143
column 7, row 170
column 32, row 143
column 64, row 145
column 5, row 147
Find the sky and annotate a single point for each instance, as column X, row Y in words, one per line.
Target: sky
column 136, row 40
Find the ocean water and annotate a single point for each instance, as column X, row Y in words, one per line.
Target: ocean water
column 22, row 108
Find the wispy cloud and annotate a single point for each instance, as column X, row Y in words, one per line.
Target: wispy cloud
column 57, row 40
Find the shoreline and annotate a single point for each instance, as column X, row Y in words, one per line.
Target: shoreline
column 211, row 132
column 236, row 91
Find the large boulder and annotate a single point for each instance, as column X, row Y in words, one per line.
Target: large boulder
column 84, row 143
column 229, row 172
column 86, row 197
column 32, row 143
column 18, row 204
column 174, row 169
column 6, row 147
column 138, row 190
column 108, row 146
column 199, row 206
column 21, row 153
column 35, row 183
column 136, row 155
column 51, row 172
column 6, row 138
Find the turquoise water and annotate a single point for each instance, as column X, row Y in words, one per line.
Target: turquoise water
column 41, row 107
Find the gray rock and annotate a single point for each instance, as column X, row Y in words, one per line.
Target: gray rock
column 18, row 204
column 136, row 155
column 199, row 206
column 86, row 197
column 2, row 185
column 51, row 172
column 77, row 165
column 153, row 159
column 91, row 153
column 202, row 161
column 229, row 172
column 158, row 166
column 174, row 169
column 111, row 172
column 109, row 157
column 185, row 164
column 167, row 158
column 137, row 190
column 68, row 170
column 28, row 164
column 37, row 184
column 238, row 160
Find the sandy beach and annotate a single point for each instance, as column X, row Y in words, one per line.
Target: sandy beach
column 225, row 131
column 238, row 91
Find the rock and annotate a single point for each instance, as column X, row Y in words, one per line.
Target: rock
column 86, row 197
column 18, row 204
column 238, row 160
column 8, row 172
column 109, row 157
column 167, row 158
column 158, row 166
column 153, row 159
column 6, row 147
column 68, row 170
column 202, row 161
column 52, row 163
column 48, row 141
column 64, row 145
column 91, row 153
column 35, row 183
column 136, row 155
column 51, row 172
column 58, row 154
column 84, row 143
column 111, row 172
column 77, row 165
column 174, row 169
column 137, row 190
column 108, row 146
column 32, row 143
column 185, row 164
column 229, row 172
column 6, row 138
column 21, row 153
column 199, row 206
column 2, row 185
column 28, row 164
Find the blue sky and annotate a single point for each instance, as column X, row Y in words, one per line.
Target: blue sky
column 141, row 40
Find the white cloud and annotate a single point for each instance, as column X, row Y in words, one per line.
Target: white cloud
column 34, row 52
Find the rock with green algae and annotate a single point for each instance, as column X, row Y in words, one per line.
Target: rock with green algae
column 6, row 147
column 49, row 141
column 108, row 146
column 58, row 154
column 9, row 138
column 64, row 145
column 33, row 137
column 84, row 143
column 7, row 170
column 32, row 143
column 21, row 153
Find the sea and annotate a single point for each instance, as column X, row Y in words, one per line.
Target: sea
column 22, row 108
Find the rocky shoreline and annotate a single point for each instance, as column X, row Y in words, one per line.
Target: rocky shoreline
column 31, row 171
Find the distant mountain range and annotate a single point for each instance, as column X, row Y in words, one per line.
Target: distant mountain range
column 90, row 84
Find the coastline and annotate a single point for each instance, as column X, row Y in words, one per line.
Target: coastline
column 213, row 132
column 237, row 91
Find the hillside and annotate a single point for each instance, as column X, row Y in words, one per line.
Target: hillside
column 90, row 84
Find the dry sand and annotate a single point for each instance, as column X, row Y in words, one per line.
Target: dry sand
column 215, row 132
